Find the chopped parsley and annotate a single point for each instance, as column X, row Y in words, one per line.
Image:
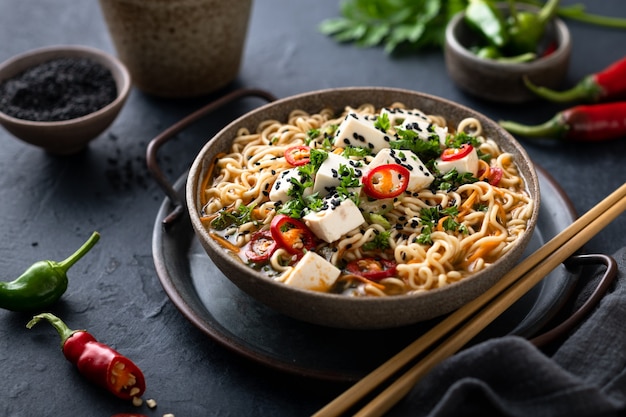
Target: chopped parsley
column 431, row 216
column 380, row 241
column 451, row 180
column 382, row 122
column 457, row 140
column 425, row 149
column 348, row 179
column 228, row 217
column 355, row 151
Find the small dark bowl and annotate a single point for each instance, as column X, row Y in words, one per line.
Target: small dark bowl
column 67, row 136
column 502, row 81
column 336, row 310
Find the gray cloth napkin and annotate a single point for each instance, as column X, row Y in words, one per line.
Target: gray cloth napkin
column 583, row 376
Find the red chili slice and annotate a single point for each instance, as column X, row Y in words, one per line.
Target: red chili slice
column 298, row 155
column 261, row 246
column 495, row 175
column 372, row 268
column 386, row 181
column 453, row 154
column 292, row 234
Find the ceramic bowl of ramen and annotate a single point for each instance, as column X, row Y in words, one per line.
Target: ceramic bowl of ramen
column 363, row 207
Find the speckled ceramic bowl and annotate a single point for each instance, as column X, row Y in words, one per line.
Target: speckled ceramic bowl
column 66, row 136
column 503, row 82
column 335, row 310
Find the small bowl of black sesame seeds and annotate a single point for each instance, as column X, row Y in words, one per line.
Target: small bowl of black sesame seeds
column 60, row 98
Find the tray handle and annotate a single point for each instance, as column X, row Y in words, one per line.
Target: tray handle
column 162, row 138
column 579, row 315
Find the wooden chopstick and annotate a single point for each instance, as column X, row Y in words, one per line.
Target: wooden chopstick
column 557, row 250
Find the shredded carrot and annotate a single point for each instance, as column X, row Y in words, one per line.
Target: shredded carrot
column 225, row 243
column 208, row 175
column 483, row 250
column 486, row 167
column 206, row 220
column 364, row 280
column 440, row 223
column 469, row 202
column 257, row 214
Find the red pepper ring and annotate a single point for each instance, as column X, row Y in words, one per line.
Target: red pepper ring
column 96, row 361
column 494, row 177
column 372, row 268
column 454, row 154
column 386, row 181
column 261, row 246
column 298, row 155
column 291, row 234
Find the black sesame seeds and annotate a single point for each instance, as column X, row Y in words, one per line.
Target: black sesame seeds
column 59, row 89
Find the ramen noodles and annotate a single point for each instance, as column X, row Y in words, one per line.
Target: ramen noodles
column 370, row 202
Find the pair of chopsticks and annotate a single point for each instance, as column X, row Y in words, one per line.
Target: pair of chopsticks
column 466, row 322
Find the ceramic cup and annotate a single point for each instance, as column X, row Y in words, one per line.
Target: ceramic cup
column 178, row 48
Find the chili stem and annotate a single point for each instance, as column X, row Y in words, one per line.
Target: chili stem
column 552, row 129
column 64, row 331
column 577, row 13
column 73, row 258
column 579, row 92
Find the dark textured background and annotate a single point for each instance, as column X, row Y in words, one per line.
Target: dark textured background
column 49, row 205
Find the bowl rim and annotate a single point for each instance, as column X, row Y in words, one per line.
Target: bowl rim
column 118, row 70
column 561, row 31
column 221, row 256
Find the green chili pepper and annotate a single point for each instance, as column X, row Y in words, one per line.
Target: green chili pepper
column 484, row 18
column 526, row 29
column 43, row 283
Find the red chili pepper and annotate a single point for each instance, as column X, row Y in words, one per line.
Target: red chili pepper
column 261, row 246
column 386, row 181
column 292, row 234
column 454, row 154
column 608, row 84
column 594, row 122
column 96, row 361
column 372, row 268
column 494, row 177
column 298, row 155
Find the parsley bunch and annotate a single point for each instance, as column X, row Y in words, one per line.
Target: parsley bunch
column 418, row 24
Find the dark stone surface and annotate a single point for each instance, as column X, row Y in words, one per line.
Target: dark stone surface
column 49, row 205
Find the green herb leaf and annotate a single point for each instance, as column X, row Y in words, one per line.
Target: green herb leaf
column 380, row 241
column 416, row 24
column 228, row 217
column 409, row 139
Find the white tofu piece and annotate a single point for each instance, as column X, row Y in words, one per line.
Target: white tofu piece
column 327, row 176
column 359, row 131
column 314, row 273
column 336, row 220
column 417, row 121
column 468, row 163
column 282, row 185
column 401, row 116
column 420, row 177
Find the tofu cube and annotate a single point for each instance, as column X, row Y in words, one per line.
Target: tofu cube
column 327, row 177
column 335, row 220
column 359, row 131
column 401, row 116
column 468, row 163
column 314, row 273
column 283, row 185
column 417, row 121
column 420, row 177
